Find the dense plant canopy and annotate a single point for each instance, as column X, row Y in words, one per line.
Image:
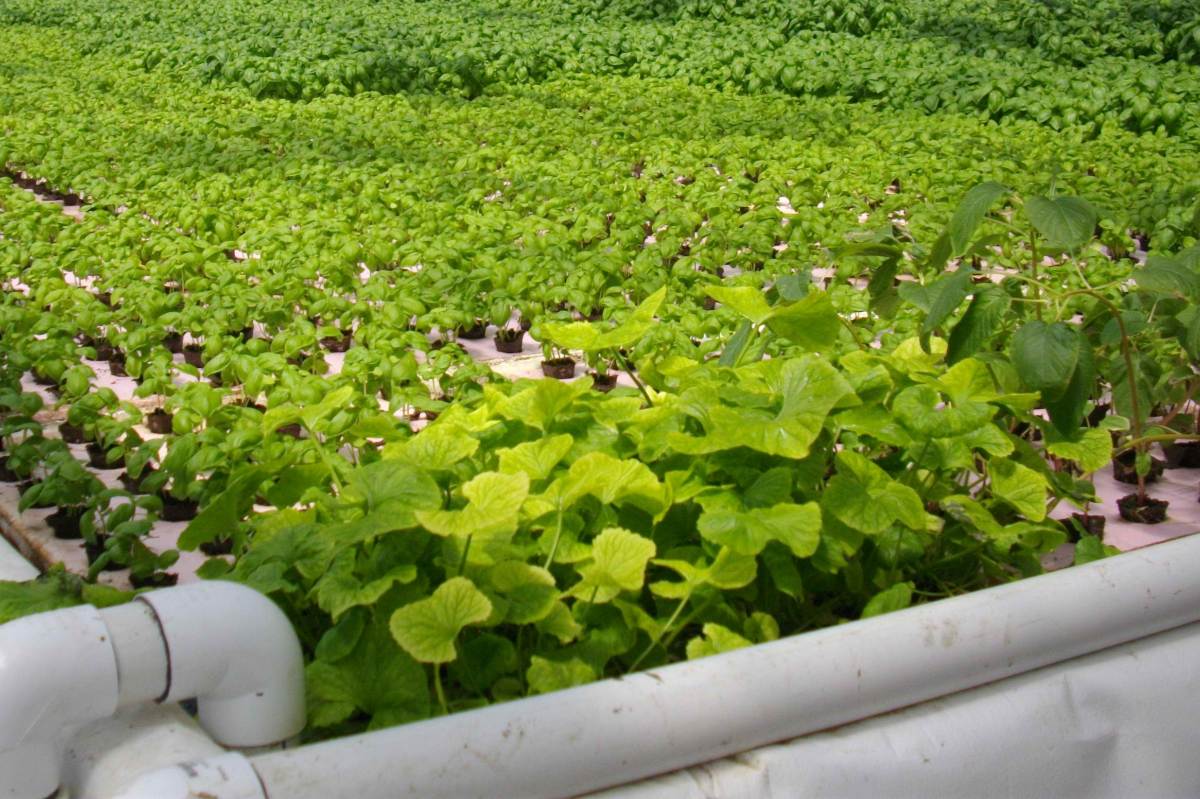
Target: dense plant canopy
column 890, row 280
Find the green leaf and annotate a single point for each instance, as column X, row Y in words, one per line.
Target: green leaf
column 618, row 563
column 341, row 639
column 493, row 505
column 590, row 337
column 426, row 629
column 542, row 403
column 1090, row 548
column 220, row 518
column 436, row 448
column 943, row 296
column 747, row 532
column 1019, row 486
column 865, row 498
column 1045, row 356
column 545, row 676
column 810, row 388
column 898, row 597
column 340, row 589
column 535, row 458
column 921, row 410
column 714, row 640
column 1168, row 277
column 746, row 300
column 53, row 590
column 983, row 316
column 732, row 354
column 484, row 659
column 530, row 590
column 1065, row 222
column 613, row 482
column 812, row 323
column 1067, row 409
column 1091, row 449
column 635, row 326
column 972, row 208
column 377, row 678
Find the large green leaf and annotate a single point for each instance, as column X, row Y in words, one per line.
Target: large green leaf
column 378, row 678
column 811, row 323
column 921, row 410
column 971, row 210
column 427, row 628
column 221, row 517
column 1065, row 222
column 614, row 482
column 1169, row 277
column 982, row 318
column 390, row 494
column 746, row 300
column 1067, row 408
column 747, row 532
column 865, row 498
column 1019, row 486
column 618, row 563
column 535, row 458
column 493, row 504
column 1045, row 355
column 713, row 640
column 898, row 597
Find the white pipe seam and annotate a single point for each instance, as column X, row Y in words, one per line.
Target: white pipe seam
column 57, row 671
column 235, row 651
column 141, row 654
column 616, row 731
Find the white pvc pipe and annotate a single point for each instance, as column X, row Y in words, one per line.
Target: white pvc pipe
column 615, row 731
column 221, row 643
column 57, row 671
column 235, row 651
column 14, row 567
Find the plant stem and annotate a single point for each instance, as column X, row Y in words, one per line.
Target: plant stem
column 1033, row 268
column 462, row 562
column 650, row 647
column 557, row 535
column 636, row 381
column 437, row 686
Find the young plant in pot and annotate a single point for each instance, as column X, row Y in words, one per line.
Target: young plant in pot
column 107, row 520
column 1087, row 450
column 85, row 413
column 604, row 343
column 509, row 338
column 175, row 481
column 17, row 426
column 70, row 487
column 116, row 434
column 147, row 569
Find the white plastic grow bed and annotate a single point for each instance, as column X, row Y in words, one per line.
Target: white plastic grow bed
column 1078, row 683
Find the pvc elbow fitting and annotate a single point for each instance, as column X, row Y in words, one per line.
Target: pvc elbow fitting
column 235, row 651
column 221, row 643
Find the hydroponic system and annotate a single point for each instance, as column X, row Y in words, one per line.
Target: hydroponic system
column 548, row 397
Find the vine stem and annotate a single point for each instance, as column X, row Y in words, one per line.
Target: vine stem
column 557, row 536
column 636, row 381
column 437, row 686
column 462, row 562
column 650, row 647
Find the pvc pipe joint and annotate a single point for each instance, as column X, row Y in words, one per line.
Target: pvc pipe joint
column 233, row 650
column 224, row 644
